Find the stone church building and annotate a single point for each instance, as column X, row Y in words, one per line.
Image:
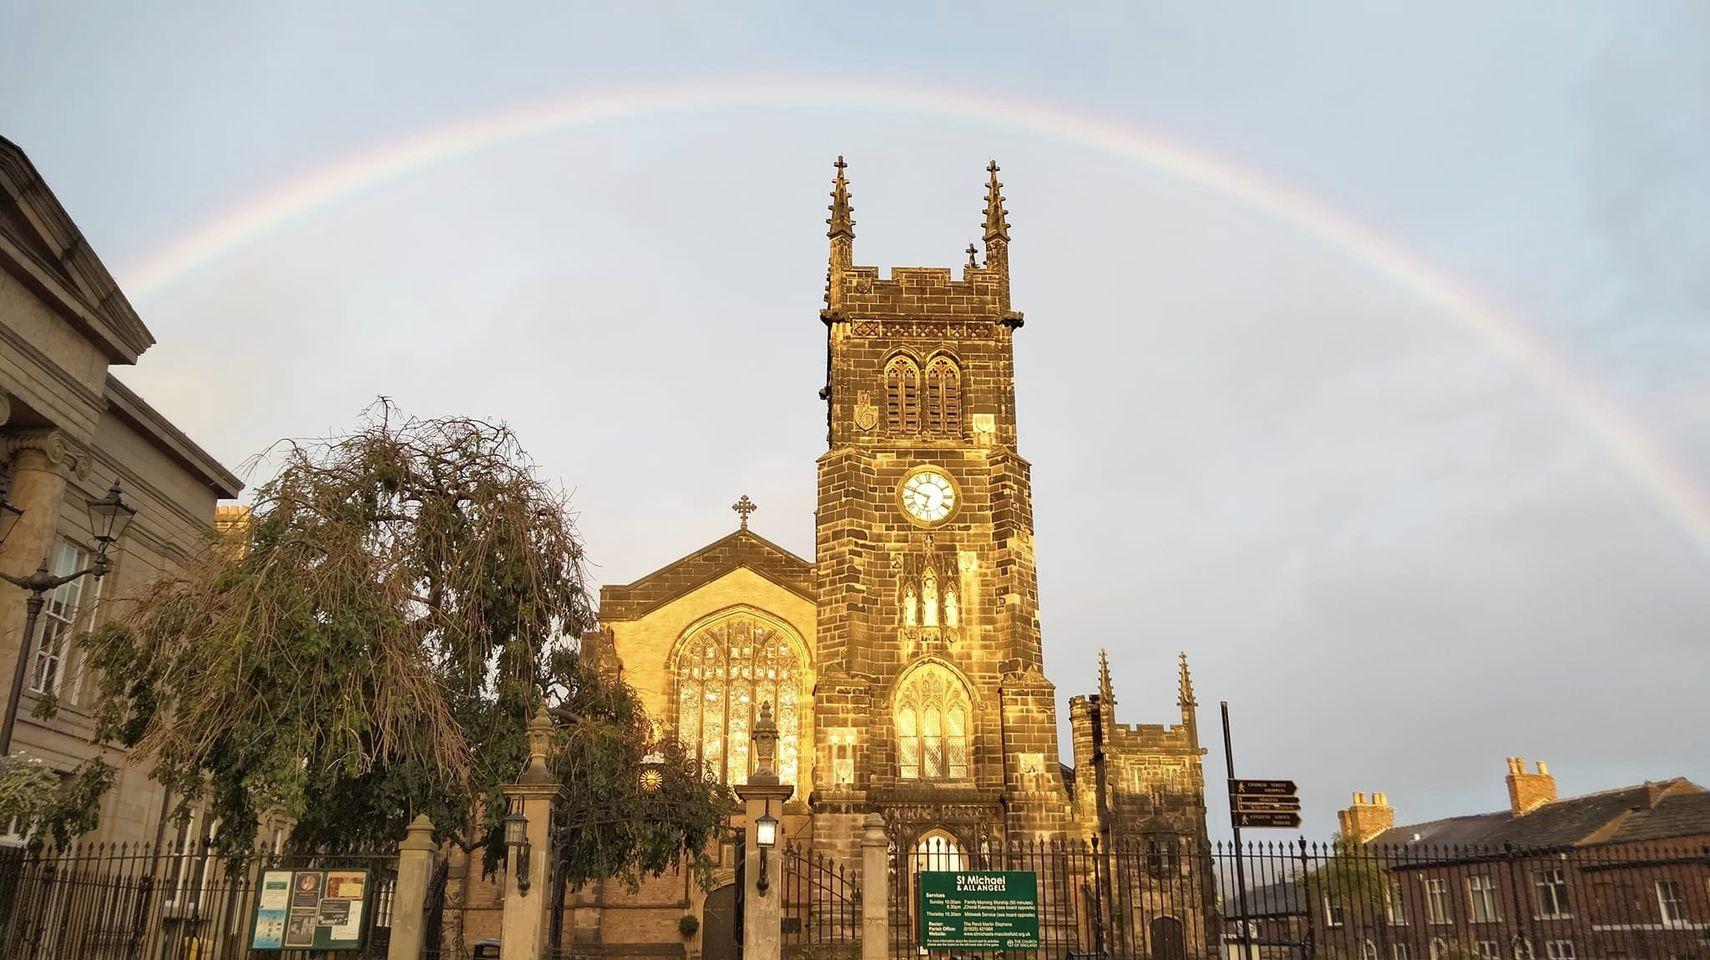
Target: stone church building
column 904, row 659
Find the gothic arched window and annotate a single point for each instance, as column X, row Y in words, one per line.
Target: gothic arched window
column 902, row 395
column 943, row 397
column 724, row 672
column 933, row 718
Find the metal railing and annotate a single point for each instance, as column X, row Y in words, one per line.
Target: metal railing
column 134, row 901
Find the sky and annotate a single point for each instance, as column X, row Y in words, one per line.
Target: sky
column 1400, row 551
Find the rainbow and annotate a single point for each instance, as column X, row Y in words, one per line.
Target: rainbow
column 1630, row 444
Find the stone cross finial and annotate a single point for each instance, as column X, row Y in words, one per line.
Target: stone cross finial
column 743, row 508
column 972, row 250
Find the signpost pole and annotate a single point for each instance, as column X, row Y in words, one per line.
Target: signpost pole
column 1235, row 828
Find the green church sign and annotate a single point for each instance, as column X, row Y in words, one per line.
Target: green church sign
column 979, row 910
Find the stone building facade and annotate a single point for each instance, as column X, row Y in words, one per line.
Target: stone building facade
column 905, row 659
column 68, row 431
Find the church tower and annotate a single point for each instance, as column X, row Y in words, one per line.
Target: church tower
column 930, row 706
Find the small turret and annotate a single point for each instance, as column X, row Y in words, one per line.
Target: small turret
column 841, row 232
column 997, row 223
column 1187, row 703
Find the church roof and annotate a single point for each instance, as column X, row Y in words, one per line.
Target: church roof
column 742, row 548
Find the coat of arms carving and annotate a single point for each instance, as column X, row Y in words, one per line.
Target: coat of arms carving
column 866, row 415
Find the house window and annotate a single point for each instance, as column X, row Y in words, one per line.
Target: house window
column 1439, row 948
column 1394, row 907
column 725, row 671
column 1669, row 903
column 1399, row 951
column 1487, row 950
column 1368, row 951
column 1437, row 908
column 59, row 615
column 1559, row 950
column 1481, row 896
column 932, row 716
column 1551, row 887
column 1333, row 913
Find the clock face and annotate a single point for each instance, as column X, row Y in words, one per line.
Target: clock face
column 928, row 496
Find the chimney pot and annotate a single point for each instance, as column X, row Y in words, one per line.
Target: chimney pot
column 1528, row 791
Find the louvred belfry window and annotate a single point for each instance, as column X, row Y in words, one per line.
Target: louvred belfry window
column 902, row 395
column 944, row 397
column 724, row 673
column 932, row 718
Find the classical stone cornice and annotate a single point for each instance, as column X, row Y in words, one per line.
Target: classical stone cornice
column 60, row 450
column 170, row 440
column 59, row 264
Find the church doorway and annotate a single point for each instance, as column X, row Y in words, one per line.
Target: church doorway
column 718, row 925
column 938, row 850
column 1167, row 940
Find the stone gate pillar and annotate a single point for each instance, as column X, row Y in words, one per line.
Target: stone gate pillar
column 875, row 890
column 409, row 896
column 763, row 796
column 528, row 877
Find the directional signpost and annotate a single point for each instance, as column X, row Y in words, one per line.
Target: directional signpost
column 1254, row 803
column 1264, row 803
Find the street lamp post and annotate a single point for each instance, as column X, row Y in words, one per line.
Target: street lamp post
column 108, row 517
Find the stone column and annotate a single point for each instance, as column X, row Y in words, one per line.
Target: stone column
column 763, row 795
column 524, row 931
column 42, row 463
column 875, row 891
column 409, row 895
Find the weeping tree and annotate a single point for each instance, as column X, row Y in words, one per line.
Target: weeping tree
column 371, row 646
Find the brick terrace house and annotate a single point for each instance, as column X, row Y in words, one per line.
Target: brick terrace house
column 1621, row 873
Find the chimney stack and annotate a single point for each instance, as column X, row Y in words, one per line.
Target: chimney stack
column 1529, row 791
column 1366, row 817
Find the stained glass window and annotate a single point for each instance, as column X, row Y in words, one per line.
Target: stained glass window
column 932, row 717
column 724, row 673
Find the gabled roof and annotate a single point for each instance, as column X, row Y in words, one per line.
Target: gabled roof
column 40, row 243
column 743, row 548
column 1572, row 821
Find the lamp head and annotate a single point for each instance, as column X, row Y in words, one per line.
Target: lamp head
column 766, row 831
column 109, row 516
column 516, row 829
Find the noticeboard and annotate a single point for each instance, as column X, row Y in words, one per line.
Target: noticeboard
column 979, row 910
column 310, row 910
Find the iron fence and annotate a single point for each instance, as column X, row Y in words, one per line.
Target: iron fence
column 139, row 902
column 1171, row 898
column 820, row 900
column 1430, row 902
column 1146, row 897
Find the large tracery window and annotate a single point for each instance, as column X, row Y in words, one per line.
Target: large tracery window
column 943, row 397
column 933, row 721
column 902, row 395
column 725, row 671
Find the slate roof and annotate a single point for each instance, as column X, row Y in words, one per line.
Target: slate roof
column 1675, row 815
column 1572, row 821
column 1285, row 898
column 743, row 548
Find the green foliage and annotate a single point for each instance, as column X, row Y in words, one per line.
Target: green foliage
column 47, row 808
column 1352, row 878
column 688, row 925
column 372, row 647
